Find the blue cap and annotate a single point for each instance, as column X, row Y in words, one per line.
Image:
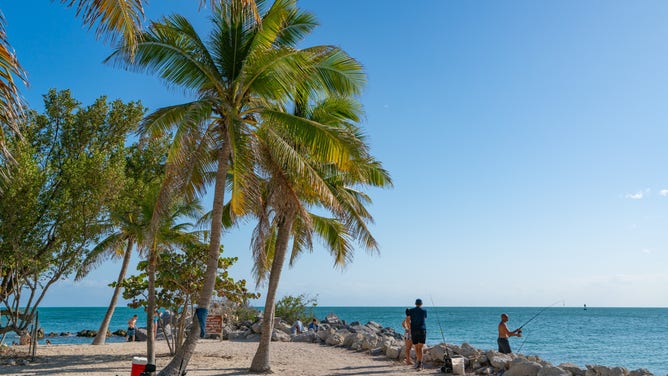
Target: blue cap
column 418, row 301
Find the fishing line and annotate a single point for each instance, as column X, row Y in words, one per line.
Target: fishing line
column 533, row 317
column 439, row 322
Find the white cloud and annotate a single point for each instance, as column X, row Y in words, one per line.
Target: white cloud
column 663, row 192
column 638, row 195
column 635, row 196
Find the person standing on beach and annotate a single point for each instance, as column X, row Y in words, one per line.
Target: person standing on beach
column 418, row 330
column 504, row 334
column 132, row 328
column 406, row 324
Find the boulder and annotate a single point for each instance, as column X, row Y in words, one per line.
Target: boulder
column 498, row 360
column 323, row 333
column 87, row 333
column 435, row 354
column 310, row 337
column 553, row 371
column 279, row 335
column 376, row 351
column 523, row 367
column 641, row 372
column 234, row 335
column 393, row 352
column 469, row 351
column 141, row 334
column 376, row 327
column 352, row 340
column 370, row 341
column 282, row 326
column 332, row 319
column 257, row 327
column 336, row 338
column 573, row 369
column 597, row 370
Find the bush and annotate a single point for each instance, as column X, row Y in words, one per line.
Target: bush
column 290, row 308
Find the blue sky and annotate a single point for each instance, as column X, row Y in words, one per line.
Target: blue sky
column 526, row 140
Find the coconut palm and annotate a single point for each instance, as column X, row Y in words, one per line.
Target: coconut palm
column 296, row 182
column 237, row 76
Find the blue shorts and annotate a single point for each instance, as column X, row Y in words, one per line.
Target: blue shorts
column 131, row 332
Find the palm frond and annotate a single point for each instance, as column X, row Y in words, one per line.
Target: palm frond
column 173, row 50
column 114, row 19
column 12, row 106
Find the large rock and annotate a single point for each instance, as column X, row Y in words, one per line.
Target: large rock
column 469, row 351
column 336, row 338
column 523, row 367
column 553, row 371
column 370, row 341
column 597, row 370
column 435, row 354
column 393, row 352
column 573, row 369
column 353, row 339
column 282, row 326
column 257, row 327
column 641, row 372
column 498, row 360
column 234, row 335
column 323, row 333
column 279, row 335
column 332, row 319
column 310, row 337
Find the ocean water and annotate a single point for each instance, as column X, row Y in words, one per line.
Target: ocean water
column 629, row 337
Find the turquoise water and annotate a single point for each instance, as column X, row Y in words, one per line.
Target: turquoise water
column 628, row 337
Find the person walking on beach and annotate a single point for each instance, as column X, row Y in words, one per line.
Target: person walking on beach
column 406, row 324
column 132, row 328
column 504, row 334
column 418, row 330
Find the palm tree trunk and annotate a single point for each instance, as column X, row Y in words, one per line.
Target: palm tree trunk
column 101, row 336
column 150, row 304
column 183, row 355
column 260, row 362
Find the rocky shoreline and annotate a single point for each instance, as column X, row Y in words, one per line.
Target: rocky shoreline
column 376, row 340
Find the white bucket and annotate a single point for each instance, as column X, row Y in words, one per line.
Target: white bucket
column 458, row 365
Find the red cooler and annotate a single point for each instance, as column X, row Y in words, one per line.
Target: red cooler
column 138, row 366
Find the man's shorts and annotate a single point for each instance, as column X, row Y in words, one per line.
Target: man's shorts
column 419, row 336
column 504, row 345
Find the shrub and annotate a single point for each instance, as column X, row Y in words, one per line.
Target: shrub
column 290, row 308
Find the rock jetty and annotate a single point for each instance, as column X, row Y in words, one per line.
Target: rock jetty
column 376, row 340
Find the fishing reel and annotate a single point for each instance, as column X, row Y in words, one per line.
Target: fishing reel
column 447, row 367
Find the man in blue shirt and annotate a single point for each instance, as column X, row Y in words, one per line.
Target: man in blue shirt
column 418, row 330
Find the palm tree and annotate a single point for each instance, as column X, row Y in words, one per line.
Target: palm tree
column 294, row 183
column 237, row 76
column 116, row 245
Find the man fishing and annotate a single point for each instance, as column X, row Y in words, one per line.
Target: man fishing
column 418, row 330
column 504, row 334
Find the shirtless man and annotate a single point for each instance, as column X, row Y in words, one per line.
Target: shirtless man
column 504, row 334
column 132, row 328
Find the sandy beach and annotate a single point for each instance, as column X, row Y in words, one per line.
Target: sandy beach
column 212, row 357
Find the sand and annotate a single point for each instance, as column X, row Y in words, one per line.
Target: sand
column 212, row 357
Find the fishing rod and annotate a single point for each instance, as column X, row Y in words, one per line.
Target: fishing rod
column 447, row 367
column 519, row 330
column 439, row 322
column 538, row 314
